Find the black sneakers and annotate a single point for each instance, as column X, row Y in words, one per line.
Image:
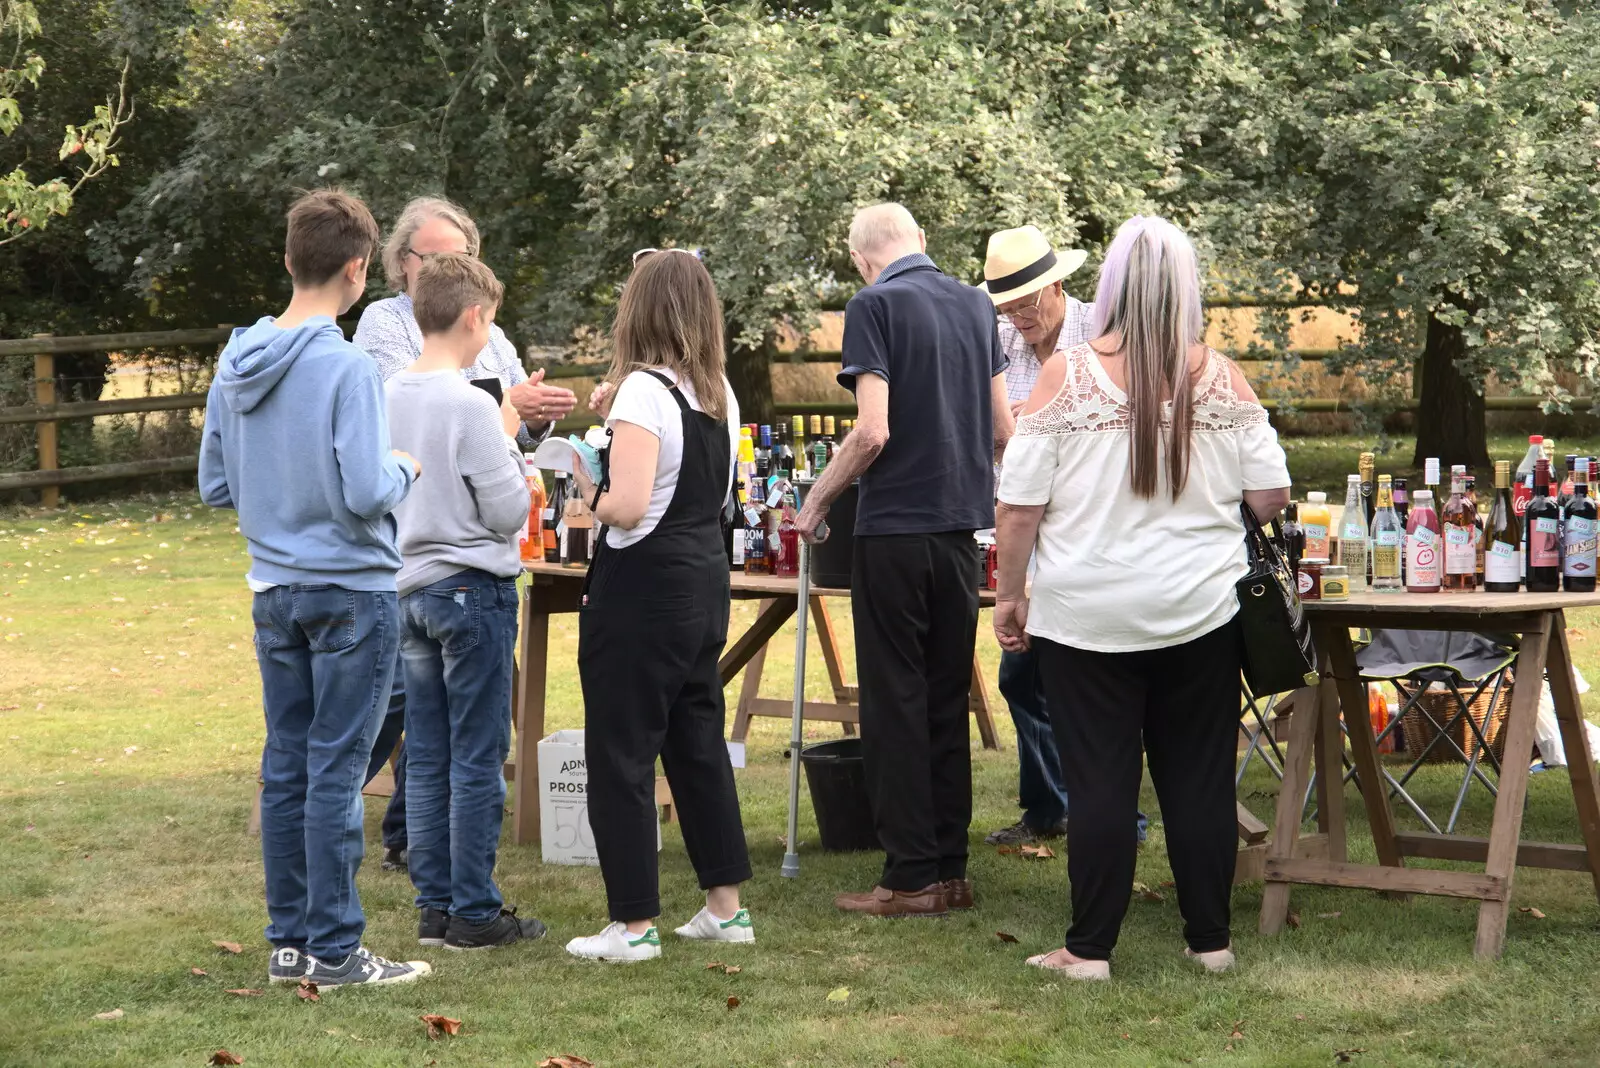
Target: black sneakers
column 288, row 965
column 395, row 859
column 503, row 930
column 364, row 967
column 431, row 926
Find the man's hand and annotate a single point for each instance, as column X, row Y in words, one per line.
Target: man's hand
column 538, row 404
column 600, row 400
column 1010, row 625
column 810, row 526
column 510, row 420
column 406, row 457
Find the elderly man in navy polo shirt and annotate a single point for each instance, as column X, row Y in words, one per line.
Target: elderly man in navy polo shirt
column 922, row 355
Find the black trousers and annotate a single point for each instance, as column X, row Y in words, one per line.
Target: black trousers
column 1183, row 703
column 914, row 598
column 651, row 688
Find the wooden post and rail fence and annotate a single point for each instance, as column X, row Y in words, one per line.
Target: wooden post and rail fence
column 46, row 412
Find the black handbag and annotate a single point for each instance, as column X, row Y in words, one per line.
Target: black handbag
column 1278, row 654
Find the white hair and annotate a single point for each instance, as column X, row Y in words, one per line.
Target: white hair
column 879, row 226
column 417, row 212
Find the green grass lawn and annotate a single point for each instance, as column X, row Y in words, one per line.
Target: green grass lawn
column 130, row 732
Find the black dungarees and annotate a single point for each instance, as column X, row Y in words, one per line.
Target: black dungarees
column 652, row 627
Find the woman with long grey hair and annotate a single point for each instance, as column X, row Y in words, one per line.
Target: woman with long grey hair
column 1126, row 475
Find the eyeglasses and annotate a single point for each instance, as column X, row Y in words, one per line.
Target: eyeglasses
column 1027, row 311
column 698, row 254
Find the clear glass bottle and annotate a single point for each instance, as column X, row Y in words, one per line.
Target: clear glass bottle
column 1388, row 534
column 1353, row 535
column 1460, row 552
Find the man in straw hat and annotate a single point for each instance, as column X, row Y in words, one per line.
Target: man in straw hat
column 922, row 356
column 1023, row 275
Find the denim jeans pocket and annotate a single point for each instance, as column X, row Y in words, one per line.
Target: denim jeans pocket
column 453, row 617
column 269, row 632
column 327, row 616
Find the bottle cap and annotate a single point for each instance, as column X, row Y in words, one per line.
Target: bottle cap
column 1424, row 497
column 1535, row 439
column 1318, row 497
column 1430, row 468
column 1352, row 478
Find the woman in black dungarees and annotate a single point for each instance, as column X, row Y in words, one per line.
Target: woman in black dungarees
column 655, row 612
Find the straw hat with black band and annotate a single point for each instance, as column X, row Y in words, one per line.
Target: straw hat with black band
column 1021, row 262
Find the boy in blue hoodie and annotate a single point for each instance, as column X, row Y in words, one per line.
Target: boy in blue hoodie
column 296, row 441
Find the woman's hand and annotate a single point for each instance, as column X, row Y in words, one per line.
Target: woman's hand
column 1010, row 625
column 600, row 400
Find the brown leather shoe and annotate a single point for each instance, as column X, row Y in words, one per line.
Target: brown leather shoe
column 929, row 901
column 958, row 894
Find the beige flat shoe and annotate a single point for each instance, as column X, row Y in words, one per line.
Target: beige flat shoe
column 1216, row 961
column 1095, row 971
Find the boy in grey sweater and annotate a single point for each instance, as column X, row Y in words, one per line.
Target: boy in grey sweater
column 458, row 608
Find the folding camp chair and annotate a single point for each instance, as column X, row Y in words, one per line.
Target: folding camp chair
column 1468, row 666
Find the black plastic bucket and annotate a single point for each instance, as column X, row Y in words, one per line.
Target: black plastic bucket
column 838, row 784
column 831, row 560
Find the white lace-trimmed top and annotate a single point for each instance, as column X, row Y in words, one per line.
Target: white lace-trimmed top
column 1116, row 572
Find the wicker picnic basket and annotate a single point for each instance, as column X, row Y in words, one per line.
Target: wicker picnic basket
column 1487, row 709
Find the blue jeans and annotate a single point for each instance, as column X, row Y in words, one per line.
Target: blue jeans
column 327, row 657
column 459, row 636
column 394, row 724
column 1039, row 788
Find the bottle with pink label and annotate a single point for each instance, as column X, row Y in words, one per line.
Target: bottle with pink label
column 1423, row 545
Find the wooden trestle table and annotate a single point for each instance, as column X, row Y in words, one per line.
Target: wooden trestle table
column 554, row 589
column 1541, row 620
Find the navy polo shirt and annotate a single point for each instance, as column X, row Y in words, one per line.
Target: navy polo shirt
column 935, row 341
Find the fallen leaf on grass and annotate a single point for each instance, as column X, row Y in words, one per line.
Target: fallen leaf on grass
column 244, row 992
column 1329, row 915
column 1238, row 1029
column 1039, row 852
column 1008, row 938
column 566, row 1060
column 307, row 991
column 440, row 1025
column 1300, row 1016
column 1531, row 911
column 732, row 969
column 1153, row 1020
column 1293, row 920
column 1228, row 1048
column 1147, row 894
column 231, row 947
column 1003, row 850
column 714, row 965
column 1343, row 1056
column 841, row 994
column 114, row 1014
column 733, row 1003
column 222, row 1056
column 197, row 971
column 1167, row 884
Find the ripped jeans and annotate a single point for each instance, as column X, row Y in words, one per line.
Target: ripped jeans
column 457, row 641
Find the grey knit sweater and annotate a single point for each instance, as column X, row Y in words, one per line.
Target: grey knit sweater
column 472, row 499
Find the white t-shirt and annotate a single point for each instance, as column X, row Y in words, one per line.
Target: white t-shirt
column 645, row 402
column 1117, row 572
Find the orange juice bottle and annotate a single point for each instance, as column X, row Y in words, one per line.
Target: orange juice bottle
column 1315, row 518
column 530, row 539
column 1378, row 711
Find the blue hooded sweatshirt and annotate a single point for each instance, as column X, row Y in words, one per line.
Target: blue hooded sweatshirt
column 297, row 441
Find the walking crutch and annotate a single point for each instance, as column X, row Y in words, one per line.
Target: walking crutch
column 791, row 858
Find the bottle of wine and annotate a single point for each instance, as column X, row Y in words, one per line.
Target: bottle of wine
column 1367, row 465
column 1502, row 534
column 530, row 541
column 554, row 508
column 1294, row 537
column 1422, row 546
column 1387, row 535
column 1477, row 529
column 1578, row 536
column 1353, row 534
column 797, row 445
column 821, row 450
column 1523, row 491
column 1543, row 534
column 1460, row 555
column 1567, row 484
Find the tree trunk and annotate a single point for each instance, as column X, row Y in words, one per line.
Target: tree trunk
column 750, row 374
column 1450, row 421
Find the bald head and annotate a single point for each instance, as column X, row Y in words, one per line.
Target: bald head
column 881, row 234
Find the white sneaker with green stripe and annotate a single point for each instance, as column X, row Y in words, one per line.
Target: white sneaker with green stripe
column 615, row 945
column 707, row 928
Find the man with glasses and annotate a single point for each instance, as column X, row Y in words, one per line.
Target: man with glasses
column 1023, row 275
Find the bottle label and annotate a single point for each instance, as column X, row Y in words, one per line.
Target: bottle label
column 549, row 514
column 1422, row 558
column 1386, row 539
column 1354, row 532
column 1460, row 558
column 738, row 548
column 1544, row 544
column 1502, row 563
column 1316, row 540
column 1579, row 561
column 1386, row 558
